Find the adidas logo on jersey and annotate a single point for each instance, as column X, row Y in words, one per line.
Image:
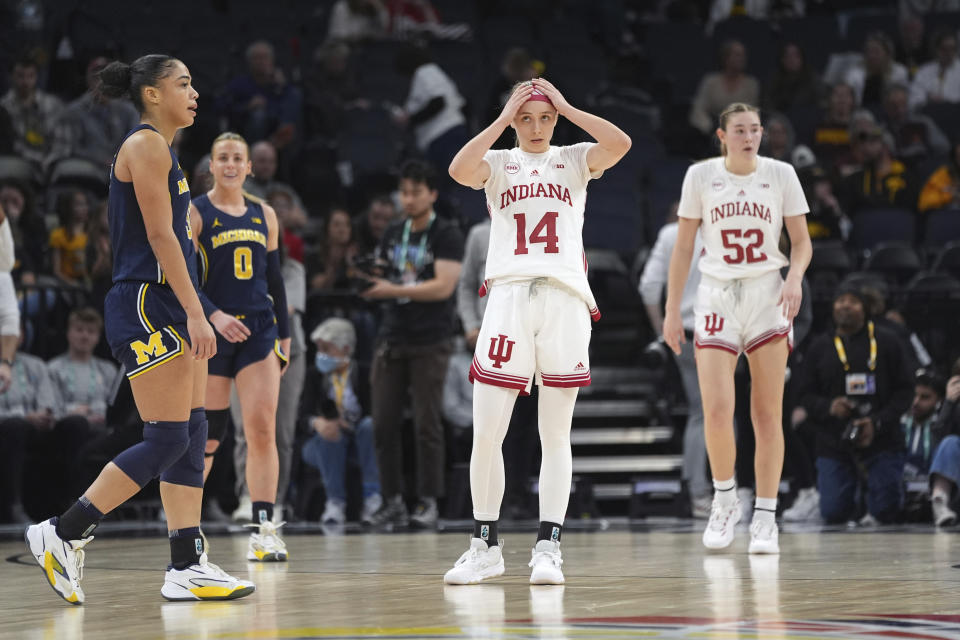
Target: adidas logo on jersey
column 216, row 223
column 558, row 166
column 535, row 173
column 579, row 367
column 742, row 193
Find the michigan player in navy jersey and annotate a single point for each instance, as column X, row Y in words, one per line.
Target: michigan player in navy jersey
column 157, row 329
column 244, row 298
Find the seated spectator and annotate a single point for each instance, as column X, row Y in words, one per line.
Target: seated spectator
column 779, row 140
column 942, row 189
column 356, row 20
column 330, row 90
column 945, row 468
column 912, row 50
column 883, row 181
column 263, row 164
column 81, row 381
column 720, row 10
column 917, row 136
column 826, row 219
column 27, row 424
column 854, row 386
column 517, row 66
column 33, row 114
column 261, row 104
column 939, row 80
column 793, row 83
column 335, row 406
column 918, row 425
column 92, row 126
column 719, row 89
column 434, row 107
column 876, row 72
column 292, row 218
column 831, row 136
column 368, row 230
column 330, row 266
column 29, row 231
column 68, row 242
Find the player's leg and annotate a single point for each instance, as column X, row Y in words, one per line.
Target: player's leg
column 767, row 366
column 217, row 404
column 258, row 388
column 715, row 368
column 190, row 575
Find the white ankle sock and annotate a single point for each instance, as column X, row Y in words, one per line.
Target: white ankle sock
column 725, row 491
column 765, row 509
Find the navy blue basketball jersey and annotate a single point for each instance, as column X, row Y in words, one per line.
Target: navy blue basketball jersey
column 233, row 255
column 133, row 257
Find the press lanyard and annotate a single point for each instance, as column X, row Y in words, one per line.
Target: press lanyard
column 339, row 382
column 401, row 259
column 842, row 353
column 913, row 437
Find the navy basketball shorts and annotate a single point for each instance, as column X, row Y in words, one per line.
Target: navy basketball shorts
column 145, row 325
column 233, row 356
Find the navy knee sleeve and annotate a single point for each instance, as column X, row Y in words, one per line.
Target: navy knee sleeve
column 188, row 468
column 163, row 443
column 217, row 427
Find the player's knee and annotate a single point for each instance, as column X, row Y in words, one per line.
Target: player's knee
column 260, row 433
column 187, row 470
column 163, row 444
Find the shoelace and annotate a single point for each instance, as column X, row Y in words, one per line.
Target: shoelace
column 717, row 522
column 268, row 532
column 209, row 566
column 79, row 554
column 555, row 558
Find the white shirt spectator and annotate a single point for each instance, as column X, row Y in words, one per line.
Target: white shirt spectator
column 856, row 78
column 657, row 268
column 932, row 82
column 429, row 82
column 9, row 310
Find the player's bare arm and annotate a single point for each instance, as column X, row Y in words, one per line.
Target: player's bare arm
column 801, row 251
column 677, row 278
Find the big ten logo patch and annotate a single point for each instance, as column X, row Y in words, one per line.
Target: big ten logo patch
column 713, row 324
column 501, row 350
column 511, row 167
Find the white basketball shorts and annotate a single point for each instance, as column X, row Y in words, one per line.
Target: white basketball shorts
column 740, row 315
column 533, row 329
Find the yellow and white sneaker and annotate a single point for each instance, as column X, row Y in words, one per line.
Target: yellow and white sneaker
column 265, row 545
column 61, row 560
column 204, row 581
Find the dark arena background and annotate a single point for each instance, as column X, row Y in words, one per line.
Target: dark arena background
column 862, row 98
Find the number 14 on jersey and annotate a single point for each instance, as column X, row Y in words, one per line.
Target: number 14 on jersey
column 544, row 233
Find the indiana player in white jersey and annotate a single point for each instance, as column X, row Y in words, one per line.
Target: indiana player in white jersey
column 740, row 202
column 536, row 327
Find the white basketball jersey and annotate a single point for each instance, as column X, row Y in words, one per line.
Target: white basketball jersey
column 536, row 203
column 741, row 216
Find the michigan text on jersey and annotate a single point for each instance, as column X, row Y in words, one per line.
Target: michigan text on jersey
column 238, row 235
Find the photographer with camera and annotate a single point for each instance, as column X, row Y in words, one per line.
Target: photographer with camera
column 855, row 385
column 414, row 344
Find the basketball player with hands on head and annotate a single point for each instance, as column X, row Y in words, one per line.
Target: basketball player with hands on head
column 153, row 317
column 740, row 202
column 536, row 327
column 244, row 298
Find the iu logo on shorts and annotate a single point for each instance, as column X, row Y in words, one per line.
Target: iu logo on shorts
column 713, row 324
column 501, row 349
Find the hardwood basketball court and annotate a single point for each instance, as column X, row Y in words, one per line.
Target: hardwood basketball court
column 654, row 582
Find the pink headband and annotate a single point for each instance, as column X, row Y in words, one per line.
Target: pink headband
column 539, row 96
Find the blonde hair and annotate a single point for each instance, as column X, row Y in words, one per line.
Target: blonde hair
column 725, row 115
column 230, row 136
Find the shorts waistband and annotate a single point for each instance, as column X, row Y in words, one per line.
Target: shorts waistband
column 765, row 279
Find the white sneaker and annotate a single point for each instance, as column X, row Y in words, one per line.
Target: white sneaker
column 806, row 508
column 61, row 560
column 266, row 545
column 334, row 513
column 764, row 537
column 723, row 519
column 477, row 563
column 943, row 515
column 242, row 512
column 546, row 563
column 203, row 581
column 371, row 504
